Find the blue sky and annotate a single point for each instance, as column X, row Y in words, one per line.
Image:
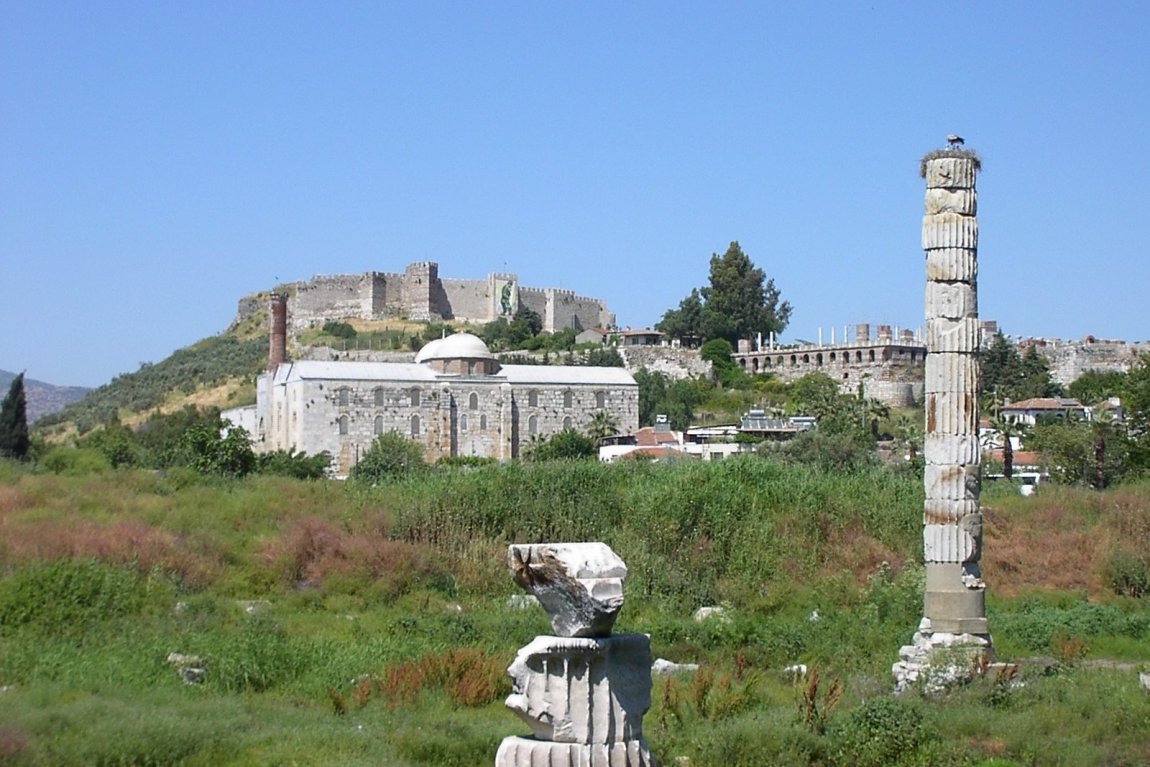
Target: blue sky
column 158, row 160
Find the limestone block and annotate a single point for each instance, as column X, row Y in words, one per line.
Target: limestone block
column 949, row 336
column 954, row 413
column 583, row 690
column 952, row 300
column 936, row 511
column 580, row 585
column 941, row 200
column 950, row 173
column 951, row 543
column 528, row 752
column 950, row 373
column 941, row 449
column 951, row 483
column 952, row 264
column 949, row 230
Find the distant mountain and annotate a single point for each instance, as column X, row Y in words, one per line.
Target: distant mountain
column 43, row 398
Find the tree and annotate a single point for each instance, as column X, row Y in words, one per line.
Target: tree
column 14, row 421
column 740, row 302
column 564, row 446
column 602, row 426
column 1096, row 386
column 218, row 449
column 1008, row 375
column 392, row 455
column 719, row 353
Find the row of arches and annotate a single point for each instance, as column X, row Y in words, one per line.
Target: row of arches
column 343, row 397
column 378, row 396
column 343, row 424
column 844, row 358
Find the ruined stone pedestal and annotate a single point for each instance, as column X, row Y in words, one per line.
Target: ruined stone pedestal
column 582, row 694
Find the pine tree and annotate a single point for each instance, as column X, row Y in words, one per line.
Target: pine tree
column 14, row 421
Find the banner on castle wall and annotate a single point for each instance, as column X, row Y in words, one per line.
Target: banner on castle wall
column 506, row 298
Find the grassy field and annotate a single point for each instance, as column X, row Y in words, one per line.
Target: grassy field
column 342, row 625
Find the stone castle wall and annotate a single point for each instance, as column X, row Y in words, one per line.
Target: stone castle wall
column 1070, row 359
column 420, row 294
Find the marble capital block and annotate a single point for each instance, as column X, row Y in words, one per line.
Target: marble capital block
column 580, row 585
column 942, row 200
column 950, row 173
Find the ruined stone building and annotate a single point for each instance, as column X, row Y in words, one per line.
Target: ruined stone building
column 455, row 399
column 420, row 294
column 889, row 366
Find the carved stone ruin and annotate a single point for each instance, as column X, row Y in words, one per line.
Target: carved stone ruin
column 953, row 632
column 583, row 692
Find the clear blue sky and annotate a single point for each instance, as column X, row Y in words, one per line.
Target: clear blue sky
column 158, row 160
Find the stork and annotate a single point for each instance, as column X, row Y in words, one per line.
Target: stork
column 954, row 140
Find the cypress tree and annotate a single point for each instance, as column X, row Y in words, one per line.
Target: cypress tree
column 14, row 421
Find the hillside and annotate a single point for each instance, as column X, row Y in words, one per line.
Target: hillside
column 44, row 398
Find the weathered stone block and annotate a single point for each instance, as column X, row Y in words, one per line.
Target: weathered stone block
column 952, row 300
column 952, row 336
column 942, row 200
column 939, row 511
column 961, row 449
column 527, row 752
column 583, row 690
column 580, row 585
column 954, row 413
column 952, row 265
column 949, row 230
column 951, row 483
column 950, row 372
column 950, row 173
column 954, row 543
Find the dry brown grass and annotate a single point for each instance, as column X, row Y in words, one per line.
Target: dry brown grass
column 471, row 677
column 849, row 549
column 311, row 550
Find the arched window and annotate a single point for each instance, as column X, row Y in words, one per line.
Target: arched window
column 858, row 356
column 567, row 422
column 473, row 401
column 378, row 394
column 483, row 423
column 343, row 425
column 568, row 399
column 415, row 397
column 377, row 428
column 415, row 426
column 533, row 425
column 755, row 365
column 463, row 422
column 819, row 358
column 600, row 399
column 533, row 398
column 806, row 358
column 794, row 360
column 871, row 355
column 833, row 357
column 344, row 396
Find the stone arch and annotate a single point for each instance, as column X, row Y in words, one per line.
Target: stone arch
column 473, row 401
column 567, row 422
column 344, row 424
column 533, row 398
column 377, row 426
column 463, row 422
column 483, row 422
column 343, row 396
column 533, row 425
column 600, row 399
column 870, row 354
column 415, row 397
column 568, row 399
column 415, row 426
column 819, row 359
column 378, row 396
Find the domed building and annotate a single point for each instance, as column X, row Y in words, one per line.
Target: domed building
column 455, row 399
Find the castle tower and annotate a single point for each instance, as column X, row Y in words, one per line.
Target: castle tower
column 954, row 608
column 419, row 281
column 277, row 336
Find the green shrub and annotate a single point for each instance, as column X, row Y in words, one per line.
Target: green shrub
column 74, row 461
column 883, row 732
column 69, row 596
column 1128, row 573
column 391, row 456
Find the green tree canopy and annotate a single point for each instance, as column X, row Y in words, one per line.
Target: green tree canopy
column 1008, row 375
column 14, row 421
column 392, row 455
column 739, row 302
column 566, row 445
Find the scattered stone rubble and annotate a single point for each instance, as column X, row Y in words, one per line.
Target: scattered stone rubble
column 584, row 691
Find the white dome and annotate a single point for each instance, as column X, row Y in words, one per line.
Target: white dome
column 454, row 347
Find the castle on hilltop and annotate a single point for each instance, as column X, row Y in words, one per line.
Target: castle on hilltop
column 420, row 294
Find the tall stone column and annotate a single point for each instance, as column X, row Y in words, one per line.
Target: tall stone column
column 954, row 609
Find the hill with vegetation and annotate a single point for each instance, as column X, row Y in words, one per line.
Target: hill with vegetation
column 44, row 398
